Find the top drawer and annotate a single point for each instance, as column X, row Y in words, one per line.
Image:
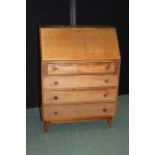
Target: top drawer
column 79, row 68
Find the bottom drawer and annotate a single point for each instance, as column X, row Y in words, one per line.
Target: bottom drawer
column 78, row 111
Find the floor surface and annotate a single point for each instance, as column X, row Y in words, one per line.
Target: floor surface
column 89, row 138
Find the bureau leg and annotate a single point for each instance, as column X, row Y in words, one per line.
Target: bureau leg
column 109, row 121
column 46, row 127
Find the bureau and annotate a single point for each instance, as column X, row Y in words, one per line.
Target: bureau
column 80, row 69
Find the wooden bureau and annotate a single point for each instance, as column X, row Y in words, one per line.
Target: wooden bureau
column 80, row 74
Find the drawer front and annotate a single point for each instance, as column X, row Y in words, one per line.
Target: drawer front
column 79, row 96
column 66, row 112
column 79, row 68
column 81, row 81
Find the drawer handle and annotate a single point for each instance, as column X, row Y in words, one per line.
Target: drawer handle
column 55, row 97
column 106, row 81
column 55, row 69
column 104, row 110
column 107, row 67
column 56, row 82
column 105, row 95
column 55, row 113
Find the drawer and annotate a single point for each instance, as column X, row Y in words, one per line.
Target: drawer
column 79, row 68
column 69, row 112
column 79, row 96
column 80, row 81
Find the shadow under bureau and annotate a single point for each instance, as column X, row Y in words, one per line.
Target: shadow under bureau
column 80, row 74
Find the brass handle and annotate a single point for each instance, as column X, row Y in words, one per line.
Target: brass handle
column 106, row 81
column 55, row 113
column 55, row 97
column 104, row 110
column 55, row 69
column 56, row 82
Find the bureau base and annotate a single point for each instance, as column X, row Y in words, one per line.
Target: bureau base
column 108, row 119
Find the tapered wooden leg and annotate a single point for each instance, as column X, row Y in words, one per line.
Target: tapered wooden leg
column 109, row 121
column 46, row 127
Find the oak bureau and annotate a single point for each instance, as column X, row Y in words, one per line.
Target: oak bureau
column 80, row 74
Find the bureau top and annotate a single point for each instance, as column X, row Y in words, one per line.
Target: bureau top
column 78, row 43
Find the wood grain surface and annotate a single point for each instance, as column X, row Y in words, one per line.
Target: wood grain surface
column 80, row 69
column 79, row 81
column 79, row 43
column 80, row 96
column 60, row 112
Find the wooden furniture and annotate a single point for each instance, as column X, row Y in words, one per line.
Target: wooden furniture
column 80, row 74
